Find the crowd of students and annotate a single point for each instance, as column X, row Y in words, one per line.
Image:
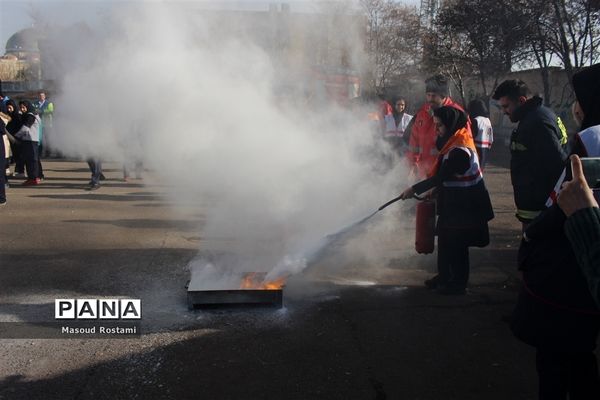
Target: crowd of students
column 26, row 127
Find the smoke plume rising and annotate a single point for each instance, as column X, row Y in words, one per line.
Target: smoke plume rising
column 208, row 108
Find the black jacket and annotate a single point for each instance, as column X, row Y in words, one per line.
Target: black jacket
column 538, row 156
column 466, row 209
column 555, row 309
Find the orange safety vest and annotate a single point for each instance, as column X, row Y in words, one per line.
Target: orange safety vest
column 462, row 139
column 422, row 152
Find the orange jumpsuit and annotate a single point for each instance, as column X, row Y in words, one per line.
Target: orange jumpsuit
column 422, row 152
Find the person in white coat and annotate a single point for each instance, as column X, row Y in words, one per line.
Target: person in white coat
column 396, row 125
column 481, row 126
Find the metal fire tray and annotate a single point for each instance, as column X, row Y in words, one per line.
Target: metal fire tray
column 234, row 297
column 199, row 296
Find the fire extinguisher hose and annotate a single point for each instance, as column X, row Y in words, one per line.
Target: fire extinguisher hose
column 392, row 201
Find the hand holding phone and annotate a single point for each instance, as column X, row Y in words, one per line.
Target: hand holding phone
column 576, row 194
column 591, row 171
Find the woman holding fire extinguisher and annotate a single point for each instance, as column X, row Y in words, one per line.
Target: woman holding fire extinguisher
column 463, row 203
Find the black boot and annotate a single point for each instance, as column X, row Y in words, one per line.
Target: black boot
column 434, row 282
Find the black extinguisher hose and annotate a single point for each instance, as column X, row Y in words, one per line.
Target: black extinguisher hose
column 392, row 201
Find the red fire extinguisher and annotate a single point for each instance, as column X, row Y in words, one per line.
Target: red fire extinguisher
column 425, row 223
column 425, row 226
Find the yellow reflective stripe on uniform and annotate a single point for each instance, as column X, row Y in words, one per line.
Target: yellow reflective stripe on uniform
column 563, row 131
column 527, row 214
column 517, row 146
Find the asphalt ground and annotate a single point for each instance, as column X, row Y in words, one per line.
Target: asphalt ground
column 347, row 333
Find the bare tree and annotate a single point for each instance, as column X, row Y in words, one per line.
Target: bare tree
column 475, row 37
column 444, row 51
column 563, row 34
column 392, row 39
column 576, row 33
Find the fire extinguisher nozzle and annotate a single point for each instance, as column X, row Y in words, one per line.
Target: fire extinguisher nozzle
column 389, row 202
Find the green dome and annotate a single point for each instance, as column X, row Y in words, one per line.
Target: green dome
column 24, row 41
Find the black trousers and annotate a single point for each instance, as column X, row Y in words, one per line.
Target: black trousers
column 575, row 374
column 40, row 167
column 31, row 157
column 3, row 172
column 17, row 151
column 453, row 258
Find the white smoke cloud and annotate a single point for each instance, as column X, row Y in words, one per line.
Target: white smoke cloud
column 201, row 104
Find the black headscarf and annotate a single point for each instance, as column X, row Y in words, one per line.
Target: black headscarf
column 30, row 108
column 16, row 120
column 587, row 90
column 12, row 103
column 453, row 119
column 477, row 108
column 29, row 115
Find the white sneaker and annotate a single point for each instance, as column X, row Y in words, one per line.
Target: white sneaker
column 19, row 175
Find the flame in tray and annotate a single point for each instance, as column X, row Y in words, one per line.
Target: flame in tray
column 256, row 280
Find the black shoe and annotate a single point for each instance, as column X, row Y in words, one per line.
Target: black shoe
column 102, row 177
column 95, row 186
column 2, row 202
column 451, row 290
column 433, row 282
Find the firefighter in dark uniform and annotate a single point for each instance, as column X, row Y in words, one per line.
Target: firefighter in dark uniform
column 537, row 148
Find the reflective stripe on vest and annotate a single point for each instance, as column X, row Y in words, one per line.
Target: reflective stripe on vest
column 485, row 135
column 527, row 214
column 471, row 177
column 390, row 125
column 557, row 187
column 563, row 131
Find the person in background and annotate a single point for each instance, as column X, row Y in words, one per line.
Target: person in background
column 556, row 312
column 7, row 153
column 45, row 110
column 132, row 152
column 95, row 165
column 463, row 203
column 386, row 112
column 29, row 137
column 13, row 126
column 29, row 108
column 422, row 152
column 395, row 128
column 537, row 147
column 483, row 133
column 3, row 132
column 3, row 100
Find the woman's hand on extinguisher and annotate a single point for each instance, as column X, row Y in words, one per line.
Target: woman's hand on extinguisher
column 408, row 193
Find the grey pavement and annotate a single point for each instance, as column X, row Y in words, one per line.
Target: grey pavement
column 366, row 329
